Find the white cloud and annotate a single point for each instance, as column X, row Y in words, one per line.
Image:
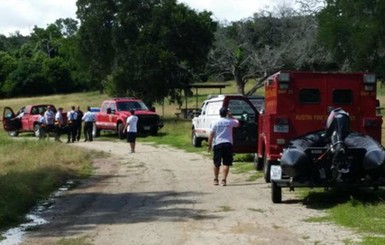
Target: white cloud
column 229, row 10
column 233, row 10
column 23, row 15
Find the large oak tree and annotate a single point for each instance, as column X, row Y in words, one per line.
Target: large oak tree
column 143, row 48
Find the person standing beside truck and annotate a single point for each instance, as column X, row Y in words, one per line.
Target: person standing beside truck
column 43, row 125
column 71, row 125
column 58, row 124
column 78, row 123
column 221, row 141
column 89, row 120
column 49, row 116
column 131, row 128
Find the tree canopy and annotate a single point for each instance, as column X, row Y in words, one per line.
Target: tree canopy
column 354, row 32
column 143, row 48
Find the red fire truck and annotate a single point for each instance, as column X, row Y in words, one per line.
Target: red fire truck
column 297, row 103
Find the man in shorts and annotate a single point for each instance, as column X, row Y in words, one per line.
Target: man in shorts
column 131, row 127
column 221, row 141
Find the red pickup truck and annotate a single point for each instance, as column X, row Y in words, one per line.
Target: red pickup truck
column 28, row 121
column 113, row 115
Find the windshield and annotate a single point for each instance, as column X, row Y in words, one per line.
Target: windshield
column 131, row 105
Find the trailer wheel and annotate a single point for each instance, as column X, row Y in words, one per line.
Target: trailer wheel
column 266, row 168
column 276, row 192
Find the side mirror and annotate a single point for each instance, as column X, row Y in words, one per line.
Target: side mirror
column 152, row 109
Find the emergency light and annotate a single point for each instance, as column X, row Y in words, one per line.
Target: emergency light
column 370, row 79
column 284, row 80
column 369, row 82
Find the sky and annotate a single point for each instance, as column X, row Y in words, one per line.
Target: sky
column 23, row 15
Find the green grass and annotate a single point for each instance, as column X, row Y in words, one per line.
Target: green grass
column 74, row 241
column 176, row 133
column 30, row 170
column 360, row 209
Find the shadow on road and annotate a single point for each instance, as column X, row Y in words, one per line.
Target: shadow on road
column 76, row 213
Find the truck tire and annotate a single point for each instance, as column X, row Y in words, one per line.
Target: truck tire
column 95, row 131
column 266, row 168
column 121, row 134
column 276, row 192
column 196, row 141
column 154, row 132
column 14, row 133
column 36, row 130
column 258, row 162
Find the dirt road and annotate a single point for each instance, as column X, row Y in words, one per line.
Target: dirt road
column 162, row 195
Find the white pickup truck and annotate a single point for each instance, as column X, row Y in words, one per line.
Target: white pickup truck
column 245, row 136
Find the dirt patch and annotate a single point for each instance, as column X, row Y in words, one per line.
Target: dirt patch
column 161, row 195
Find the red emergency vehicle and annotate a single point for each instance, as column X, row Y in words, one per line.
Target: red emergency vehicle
column 297, row 103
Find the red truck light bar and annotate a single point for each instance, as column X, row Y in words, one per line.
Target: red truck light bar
column 124, row 98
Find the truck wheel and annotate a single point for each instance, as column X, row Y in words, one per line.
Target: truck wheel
column 95, row 131
column 154, row 132
column 36, row 130
column 276, row 192
column 121, row 134
column 266, row 168
column 13, row 133
column 258, row 162
column 196, row 141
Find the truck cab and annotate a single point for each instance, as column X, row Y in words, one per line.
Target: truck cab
column 297, row 103
column 114, row 112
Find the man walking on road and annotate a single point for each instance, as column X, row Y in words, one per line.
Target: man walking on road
column 131, row 129
column 221, row 140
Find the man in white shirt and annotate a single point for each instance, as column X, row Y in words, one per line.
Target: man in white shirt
column 58, row 124
column 131, row 127
column 89, row 119
column 49, row 116
column 71, row 125
column 221, row 140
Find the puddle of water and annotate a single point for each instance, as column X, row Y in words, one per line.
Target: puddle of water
column 15, row 235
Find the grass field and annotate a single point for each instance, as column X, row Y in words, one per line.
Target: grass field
column 31, row 170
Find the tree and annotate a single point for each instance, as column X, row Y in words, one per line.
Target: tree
column 144, row 48
column 254, row 48
column 355, row 34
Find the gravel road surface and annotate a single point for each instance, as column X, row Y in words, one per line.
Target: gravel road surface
column 162, row 195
